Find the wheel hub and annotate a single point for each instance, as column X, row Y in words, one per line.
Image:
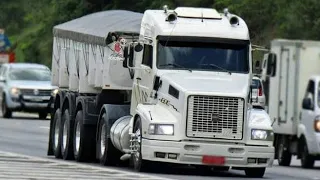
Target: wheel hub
column 137, row 144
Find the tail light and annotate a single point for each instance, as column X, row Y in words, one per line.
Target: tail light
column 12, row 57
column 260, row 91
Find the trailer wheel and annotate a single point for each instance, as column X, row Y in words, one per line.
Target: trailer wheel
column 284, row 156
column 139, row 164
column 83, row 140
column 307, row 160
column 67, row 136
column 107, row 154
column 255, row 172
column 56, row 134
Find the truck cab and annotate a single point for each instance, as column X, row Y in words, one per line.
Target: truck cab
column 309, row 127
column 191, row 92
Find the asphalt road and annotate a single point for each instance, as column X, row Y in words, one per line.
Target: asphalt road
column 25, row 134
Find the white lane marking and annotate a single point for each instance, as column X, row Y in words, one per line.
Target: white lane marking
column 13, row 165
column 44, row 127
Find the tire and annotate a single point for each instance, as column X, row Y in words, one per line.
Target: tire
column 6, row 112
column 255, row 172
column 284, row 156
column 138, row 163
column 56, row 134
column 307, row 160
column 106, row 153
column 83, row 140
column 43, row 115
column 67, row 136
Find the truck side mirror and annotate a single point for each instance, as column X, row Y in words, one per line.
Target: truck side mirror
column 306, row 103
column 257, row 64
column 2, row 79
column 272, row 64
column 128, row 56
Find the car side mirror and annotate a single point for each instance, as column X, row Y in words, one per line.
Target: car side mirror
column 306, row 103
column 272, row 64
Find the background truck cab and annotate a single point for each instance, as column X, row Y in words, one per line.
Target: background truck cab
column 292, row 100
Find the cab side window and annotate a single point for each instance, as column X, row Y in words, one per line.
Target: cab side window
column 310, row 93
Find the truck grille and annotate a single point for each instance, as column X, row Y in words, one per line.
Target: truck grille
column 31, row 92
column 215, row 117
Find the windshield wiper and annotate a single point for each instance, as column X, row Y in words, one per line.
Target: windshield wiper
column 175, row 65
column 216, row 66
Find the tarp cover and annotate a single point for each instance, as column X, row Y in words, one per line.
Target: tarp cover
column 94, row 28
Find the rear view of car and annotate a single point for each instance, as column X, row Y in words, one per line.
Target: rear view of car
column 258, row 97
column 26, row 87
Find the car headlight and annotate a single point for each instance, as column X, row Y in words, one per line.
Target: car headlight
column 258, row 134
column 161, row 129
column 15, row 91
column 55, row 92
column 316, row 124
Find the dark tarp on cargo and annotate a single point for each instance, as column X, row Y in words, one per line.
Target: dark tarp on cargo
column 95, row 28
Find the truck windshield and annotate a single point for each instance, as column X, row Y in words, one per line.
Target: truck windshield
column 35, row 74
column 203, row 56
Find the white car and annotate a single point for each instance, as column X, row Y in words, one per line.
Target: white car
column 258, row 96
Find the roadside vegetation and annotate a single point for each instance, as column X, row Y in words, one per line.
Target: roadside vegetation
column 29, row 23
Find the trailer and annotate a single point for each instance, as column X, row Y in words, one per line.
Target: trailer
column 170, row 86
column 291, row 87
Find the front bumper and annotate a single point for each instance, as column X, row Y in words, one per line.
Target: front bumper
column 30, row 103
column 192, row 153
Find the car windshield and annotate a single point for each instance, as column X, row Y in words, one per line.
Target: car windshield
column 32, row 74
column 205, row 56
column 255, row 83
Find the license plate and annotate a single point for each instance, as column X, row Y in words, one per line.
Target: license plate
column 36, row 99
column 213, row 160
column 254, row 92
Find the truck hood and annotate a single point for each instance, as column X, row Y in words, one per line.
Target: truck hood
column 216, row 83
column 31, row 84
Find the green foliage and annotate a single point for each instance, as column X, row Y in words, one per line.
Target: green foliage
column 29, row 23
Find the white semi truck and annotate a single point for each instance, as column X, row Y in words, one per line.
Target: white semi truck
column 169, row 86
column 293, row 100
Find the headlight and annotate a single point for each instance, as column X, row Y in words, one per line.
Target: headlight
column 161, row 129
column 257, row 134
column 317, row 124
column 15, row 91
column 54, row 92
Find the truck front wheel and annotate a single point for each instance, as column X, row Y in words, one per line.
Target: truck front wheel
column 255, row 172
column 307, row 160
column 139, row 164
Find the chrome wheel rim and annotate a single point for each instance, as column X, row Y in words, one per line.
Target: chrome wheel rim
column 56, row 134
column 77, row 137
column 102, row 140
column 137, row 145
column 65, row 135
